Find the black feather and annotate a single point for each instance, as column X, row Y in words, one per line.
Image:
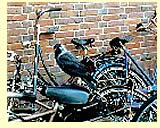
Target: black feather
column 70, row 64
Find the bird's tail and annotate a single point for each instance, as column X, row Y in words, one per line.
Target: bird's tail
column 90, row 82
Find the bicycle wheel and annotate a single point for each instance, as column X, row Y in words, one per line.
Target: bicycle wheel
column 147, row 112
column 119, row 103
column 114, row 74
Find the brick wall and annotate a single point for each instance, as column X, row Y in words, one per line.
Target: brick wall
column 103, row 21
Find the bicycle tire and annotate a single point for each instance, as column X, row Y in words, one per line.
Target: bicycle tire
column 115, row 102
column 139, row 80
column 152, row 102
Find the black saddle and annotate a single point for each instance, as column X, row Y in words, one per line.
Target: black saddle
column 81, row 43
column 117, row 41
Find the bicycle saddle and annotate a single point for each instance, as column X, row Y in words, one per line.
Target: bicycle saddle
column 67, row 94
column 115, row 42
column 81, row 43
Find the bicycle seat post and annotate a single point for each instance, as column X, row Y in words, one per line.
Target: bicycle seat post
column 36, row 59
column 39, row 13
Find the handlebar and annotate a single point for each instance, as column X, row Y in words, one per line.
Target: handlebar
column 40, row 12
column 53, row 9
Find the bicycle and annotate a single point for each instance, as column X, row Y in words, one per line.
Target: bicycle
column 148, row 111
column 65, row 106
column 18, row 93
column 32, row 95
column 110, row 70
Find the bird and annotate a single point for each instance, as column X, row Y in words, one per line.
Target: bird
column 71, row 65
column 81, row 43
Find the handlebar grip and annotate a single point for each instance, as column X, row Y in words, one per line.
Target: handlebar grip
column 54, row 9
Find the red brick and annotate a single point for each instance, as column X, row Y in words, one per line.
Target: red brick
column 149, row 38
column 25, row 59
column 151, row 49
column 47, row 50
column 147, row 44
column 15, row 46
column 14, row 25
column 79, row 33
column 12, row 40
column 90, row 36
column 138, row 39
column 44, row 43
column 14, row 10
column 138, row 51
column 88, row 25
column 31, row 30
column 112, row 4
column 110, row 17
column 16, row 3
column 103, row 37
column 93, row 19
column 132, row 9
column 116, row 23
column 60, row 35
column 150, row 3
column 93, row 6
column 66, row 40
column 10, row 62
column 38, row 3
column 46, row 22
column 136, row 15
column 16, row 32
column 149, row 14
column 27, row 9
column 116, row 10
column 94, row 32
column 124, row 3
column 92, row 51
column 135, row 3
column 44, row 29
column 89, row 13
column 130, row 46
column 103, row 24
column 46, row 36
column 65, row 21
column 70, row 47
column 32, row 16
column 17, row 18
column 65, row 7
column 11, row 68
column 68, row 14
column 132, row 21
column 69, row 27
column 113, row 35
column 45, row 16
column 65, row 34
column 148, row 65
column 124, row 28
column 111, row 29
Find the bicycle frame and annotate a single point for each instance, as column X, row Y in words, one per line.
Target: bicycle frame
column 38, row 50
column 146, row 76
column 38, row 53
